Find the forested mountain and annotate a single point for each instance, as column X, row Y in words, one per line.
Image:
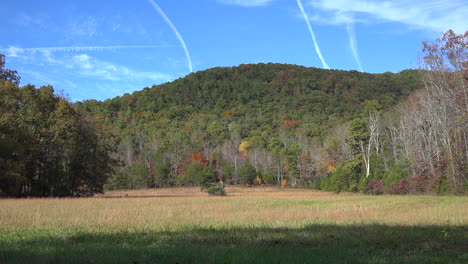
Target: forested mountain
column 257, row 97
column 335, row 130
column 277, row 118
column 292, row 125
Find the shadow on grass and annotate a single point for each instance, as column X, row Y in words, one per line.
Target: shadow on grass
column 147, row 196
column 310, row 244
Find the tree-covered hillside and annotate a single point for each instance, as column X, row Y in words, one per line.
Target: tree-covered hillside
column 252, row 124
column 259, row 97
column 277, row 118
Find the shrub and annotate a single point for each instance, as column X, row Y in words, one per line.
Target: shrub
column 465, row 188
column 227, row 171
column 400, row 188
column 442, row 185
column 216, row 190
column 397, row 173
column 376, row 187
column 247, row 174
column 258, row 180
column 346, row 176
column 419, row 184
column 268, row 176
column 162, row 175
column 198, row 173
column 284, row 183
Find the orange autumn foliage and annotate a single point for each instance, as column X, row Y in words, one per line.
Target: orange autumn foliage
column 199, row 157
column 290, row 123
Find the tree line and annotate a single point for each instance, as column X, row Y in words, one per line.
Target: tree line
column 252, row 124
column 48, row 147
column 291, row 125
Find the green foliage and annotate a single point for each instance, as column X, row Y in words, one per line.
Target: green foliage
column 7, row 74
column 198, row 173
column 291, row 154
column 379, row 170
column 280, row 110
column 247, row 174
column 216, row 190
column 118, row 181
column 268, row 175
column 139, row 176
column 345, row 178
column 359, row 134
column 163, row 175
column 48, row 147
column 442, row 185
column 227, row 170
column 397, row 173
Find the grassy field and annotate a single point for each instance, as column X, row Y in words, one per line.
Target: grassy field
column 250, row 225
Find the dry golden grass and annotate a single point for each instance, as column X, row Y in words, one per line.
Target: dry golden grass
column 267, row 206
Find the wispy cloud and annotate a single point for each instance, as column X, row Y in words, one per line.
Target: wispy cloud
column 82, row 74
column 92, row 67
column 435, row 15
column 317, row 48
column 79, row 64
column 176, row 32
column 247, row 3
column 82, row 27
column 15, row 51
column 353, row 44
column 26, row 20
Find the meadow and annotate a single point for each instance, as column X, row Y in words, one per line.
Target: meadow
column 250, row 225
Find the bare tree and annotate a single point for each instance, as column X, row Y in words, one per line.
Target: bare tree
column 433, row 123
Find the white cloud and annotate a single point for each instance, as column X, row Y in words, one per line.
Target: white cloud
column 247, row 3
column 16, row 50
column 314, row 40
column 83, row 61
column 434, row 15
column 81, row 27
column 353, row 44
column 92, row 67
column 12, row 51
column 27, row 20
column 174, row 29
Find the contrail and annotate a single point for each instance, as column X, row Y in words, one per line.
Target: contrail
column 353, row 44
column 181, row 40
column 75, row 48
column 317, row 49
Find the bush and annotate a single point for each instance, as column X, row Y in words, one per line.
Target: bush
column 420, row 184
column 227, row 171
column 465, row 188
column 163, row 176
column 346, row 176
column 198, row 173
column 258, row 180
column 216, row 190
column 376, row 187
column 247, row 174
column 442, row 185
column 268, row 176
column 400, row 188
column 397, row 173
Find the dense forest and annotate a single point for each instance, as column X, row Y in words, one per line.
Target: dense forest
column 48, row 147
column 252, row 124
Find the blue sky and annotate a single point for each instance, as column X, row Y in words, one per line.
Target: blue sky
column 101, row 49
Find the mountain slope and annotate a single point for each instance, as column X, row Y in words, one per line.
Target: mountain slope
column 278, row 118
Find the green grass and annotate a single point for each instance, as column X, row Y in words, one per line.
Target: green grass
column 318, row 243
column 294, row 227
